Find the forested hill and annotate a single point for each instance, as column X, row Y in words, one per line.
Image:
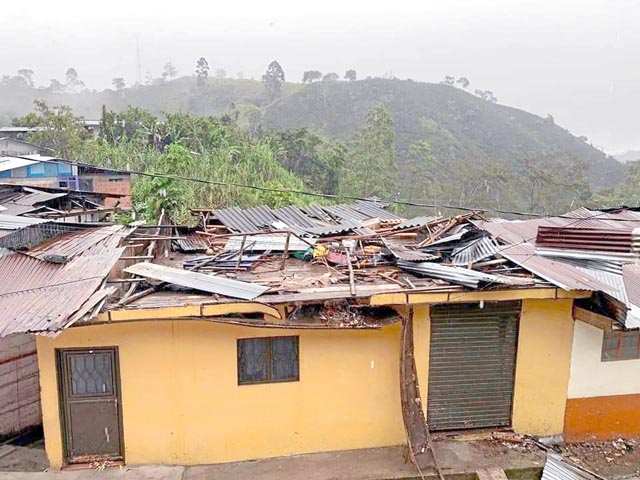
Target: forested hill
column 455, row 123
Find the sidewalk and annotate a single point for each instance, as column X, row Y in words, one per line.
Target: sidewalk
column 368, row 464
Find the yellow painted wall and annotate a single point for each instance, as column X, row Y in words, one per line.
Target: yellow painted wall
column 542, row 367
column 182, row 405
column 421, row 349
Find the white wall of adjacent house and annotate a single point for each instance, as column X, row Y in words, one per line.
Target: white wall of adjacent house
column 590, row 376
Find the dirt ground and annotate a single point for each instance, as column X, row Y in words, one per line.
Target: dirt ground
column 612, row 459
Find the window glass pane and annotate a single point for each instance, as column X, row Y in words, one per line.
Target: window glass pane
column 91, row 374
column 610, row 345
column 252, row 360
column 629, row 345
column 284, row 358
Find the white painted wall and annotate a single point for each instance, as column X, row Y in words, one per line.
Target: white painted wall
column 591, row 377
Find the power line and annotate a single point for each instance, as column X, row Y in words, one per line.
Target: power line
column 324, row 195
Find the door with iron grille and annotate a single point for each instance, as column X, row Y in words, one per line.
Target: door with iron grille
column 90, row 404
column 472, row 365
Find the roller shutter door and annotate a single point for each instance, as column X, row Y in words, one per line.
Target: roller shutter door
column 472, row 365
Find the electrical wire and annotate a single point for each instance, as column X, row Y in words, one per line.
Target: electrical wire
column 318, row 194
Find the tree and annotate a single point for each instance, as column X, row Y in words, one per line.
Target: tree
column 371, row 167
column 169, row 72
column 311, row 76
column 273, row 80
column 448, row 80
column 118, row 83
column 63, row 133
column 330, row 77
column 317, row 161
column 220, row 73
column 202, row 71
column 27, row 74
column 463, row 82
column 350, row 75
column 55, row 86
column 72, row 80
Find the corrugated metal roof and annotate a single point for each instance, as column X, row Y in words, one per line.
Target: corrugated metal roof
column 514, row 231
column 561, row 274
column 27, row 200
column 192, row 242
column 10, row 163
column 13, row 222
column 198, row 281
column 462, row 276
column 403, row 253
column 72, row 244
column 557, row 469
column 476, row 250
column 575, row 238
column 39, row 296
column 268, row 242
column 416, row 222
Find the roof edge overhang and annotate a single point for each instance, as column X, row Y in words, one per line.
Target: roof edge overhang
column 276, row 312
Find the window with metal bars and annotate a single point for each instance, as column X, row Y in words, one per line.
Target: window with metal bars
column 268, row 360
column 620, row 345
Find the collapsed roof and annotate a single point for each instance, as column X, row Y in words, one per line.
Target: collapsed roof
column 317, row 254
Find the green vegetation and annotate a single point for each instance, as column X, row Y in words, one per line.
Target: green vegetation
column 416, row 142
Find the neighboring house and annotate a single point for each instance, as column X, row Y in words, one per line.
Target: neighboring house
column 11, row 146
column 20, row 204
column 45, row 171
column 93, row 127
column 345, row 333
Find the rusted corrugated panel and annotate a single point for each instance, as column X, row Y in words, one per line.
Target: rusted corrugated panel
column 74, row 243
column 40, row 296
column 573, row 238
column 563, row 275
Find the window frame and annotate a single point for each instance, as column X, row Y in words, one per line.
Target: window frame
column 268, row 360
column 618, row 351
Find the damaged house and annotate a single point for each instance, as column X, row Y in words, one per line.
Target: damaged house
column 267, row 332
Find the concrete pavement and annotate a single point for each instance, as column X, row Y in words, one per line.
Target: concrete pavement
column 368, row 464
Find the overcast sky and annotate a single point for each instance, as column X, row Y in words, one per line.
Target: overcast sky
column 578, row 60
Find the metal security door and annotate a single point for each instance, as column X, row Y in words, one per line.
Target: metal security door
column 90, row 397
column 472, row 365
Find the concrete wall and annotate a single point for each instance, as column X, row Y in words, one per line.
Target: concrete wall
column 182, row 405
column 604, row 397
column 542, row 366
column 19, row 388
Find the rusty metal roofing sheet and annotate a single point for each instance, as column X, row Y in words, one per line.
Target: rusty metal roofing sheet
column 576, row 238
column 74, row 243
column 515, row 231
column 198, row 281
column 38, row 296
column 561, row 274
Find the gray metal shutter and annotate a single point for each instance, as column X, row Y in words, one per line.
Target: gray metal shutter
column 472, row 365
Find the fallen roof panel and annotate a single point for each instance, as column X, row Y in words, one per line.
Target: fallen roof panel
column 198, row 281
column 275, row 242
column 561, row 274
